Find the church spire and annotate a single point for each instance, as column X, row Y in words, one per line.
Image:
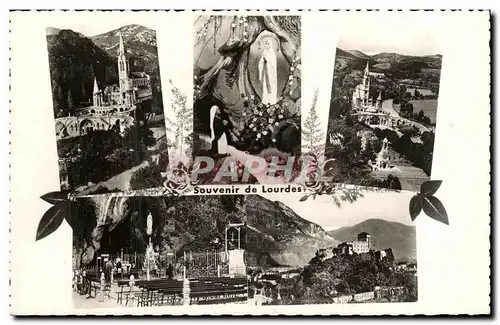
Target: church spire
column 121, row 50
column 96, row 87
column 123, row 67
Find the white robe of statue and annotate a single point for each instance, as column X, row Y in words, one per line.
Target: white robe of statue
column 268, row 75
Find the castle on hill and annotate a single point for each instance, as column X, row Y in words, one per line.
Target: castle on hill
column 112, row 105
column 360, row 246
column 363, row 247
column 361, row 100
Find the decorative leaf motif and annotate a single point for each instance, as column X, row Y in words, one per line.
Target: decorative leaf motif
column 55, row 197
column 302, row 199
column 415, row 206
column 434, row 209
column 430, row 187
column 51, row 220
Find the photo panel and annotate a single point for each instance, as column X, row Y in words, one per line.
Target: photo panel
column 247, row 92
column 313, row 252
column 384, row 100
column 159, row 251
column 107, row 103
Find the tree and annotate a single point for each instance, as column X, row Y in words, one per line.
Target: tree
column 369, row 153
column 148, row 177
column 70, row 100
column 392, row 182
column 426, row 120
column 420, row 115
column 139, row 138
column 311, row 132
column 181, row 124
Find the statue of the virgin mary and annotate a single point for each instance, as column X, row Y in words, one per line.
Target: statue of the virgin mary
column 149, row 224
column 268, row 75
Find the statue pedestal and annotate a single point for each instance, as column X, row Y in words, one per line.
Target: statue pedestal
column 236, row 261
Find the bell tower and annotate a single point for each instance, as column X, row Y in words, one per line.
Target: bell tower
column 123, row 66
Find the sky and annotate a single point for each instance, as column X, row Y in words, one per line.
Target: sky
column 390, row 206
column 101, row 26
column 411, row 34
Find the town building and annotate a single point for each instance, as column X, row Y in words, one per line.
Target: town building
column 378, row 75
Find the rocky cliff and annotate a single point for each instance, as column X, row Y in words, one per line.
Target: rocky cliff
column 277, row 236
column 195, row 223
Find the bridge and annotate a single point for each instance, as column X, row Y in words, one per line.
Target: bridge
column 73, row 126
column 385, row 120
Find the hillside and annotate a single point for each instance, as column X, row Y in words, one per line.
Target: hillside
column 142, row 52
column 393, row 62
column 130, row 33
column 74, row 62
column 52, row 31
column 385, row 234
column 277, row 236
column 360, row 55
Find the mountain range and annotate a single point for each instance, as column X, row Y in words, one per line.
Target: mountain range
column 75, row 60
column 392, row 61
column 385, row 234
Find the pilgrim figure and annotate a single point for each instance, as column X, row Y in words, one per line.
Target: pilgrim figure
column 268, row 75
column 218, row 129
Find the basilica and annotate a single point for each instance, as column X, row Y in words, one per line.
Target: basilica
column 112, row 105
column 361, row 100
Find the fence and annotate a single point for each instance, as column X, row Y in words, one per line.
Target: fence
column 206, row 264
column 133, row 263
column 163, row 260
column 197, row 264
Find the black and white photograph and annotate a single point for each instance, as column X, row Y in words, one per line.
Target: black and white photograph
column 247, row 86
column 384, row 101
column 159, row 251
column 315, row 252
column 108, row 106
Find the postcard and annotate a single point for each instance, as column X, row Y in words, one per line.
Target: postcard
column 250, row 163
